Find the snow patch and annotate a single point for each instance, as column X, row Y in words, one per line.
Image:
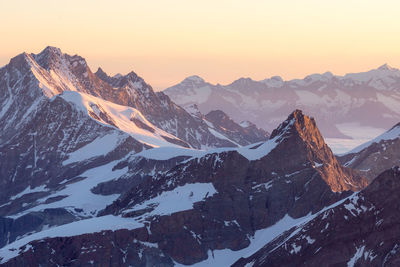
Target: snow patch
column 92, row 225
column 179, row 199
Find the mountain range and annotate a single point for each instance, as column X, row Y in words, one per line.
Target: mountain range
column 100, row 170
column 353, row 106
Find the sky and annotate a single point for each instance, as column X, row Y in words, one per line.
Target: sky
column 165, row 41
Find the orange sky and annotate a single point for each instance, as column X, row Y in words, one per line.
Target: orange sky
column 166, row 40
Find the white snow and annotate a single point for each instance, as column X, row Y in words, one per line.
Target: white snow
column 79, row 194
column 360, row 134
column 121, row 116
column 194, row 95
column 244, row 124
column 259, row 152
column 295, row 249
column 357, row 255
column 179, row 199
column 100, row 146
column 91, row 225
column 164, row 153
column 221, row 136
column 389, row 135
column 30, row 190
column 226, row 257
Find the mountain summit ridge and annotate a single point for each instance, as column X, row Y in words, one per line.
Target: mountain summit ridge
column 343, row 105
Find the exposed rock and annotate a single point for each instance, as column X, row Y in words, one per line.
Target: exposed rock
column 375, row 156
column 361, row 231
column 241, row 135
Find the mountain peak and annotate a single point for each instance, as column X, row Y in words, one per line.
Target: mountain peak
column 386, row 67
column 100, row 73
column 193, row 79
column 51, row 50
column 49, row 56
column 295, row 121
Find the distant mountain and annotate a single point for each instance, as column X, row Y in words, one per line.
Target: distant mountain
column 220, row 124
column 360, row 231
column 211, row 203
column 375, row 156
column 340, row 104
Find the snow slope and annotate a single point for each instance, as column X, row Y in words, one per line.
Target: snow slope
column 91, row 225
column 393, row 133
column 121, row 117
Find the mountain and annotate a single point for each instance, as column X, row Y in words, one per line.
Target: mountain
column 220, row 124
column 209, row 206
column 67, row 142
column 56, row 144
column 362, row 230
column 131, row 90
column 344, row 106
column 57, row 72
column 375, row 156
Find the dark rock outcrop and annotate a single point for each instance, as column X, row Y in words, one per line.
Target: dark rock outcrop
column 247, row 135
column 361, row 231
column 375, row 156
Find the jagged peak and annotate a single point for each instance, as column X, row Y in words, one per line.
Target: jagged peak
column 51, row 50
column 48, row 54
column 131, row 76
column 299, row 124
column 120, row 80
column 100, row 71
column 386, row 67
column 53, row 58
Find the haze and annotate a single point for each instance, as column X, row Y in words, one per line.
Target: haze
column 165, row 41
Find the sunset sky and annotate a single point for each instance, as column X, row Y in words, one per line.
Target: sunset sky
column 166, row 40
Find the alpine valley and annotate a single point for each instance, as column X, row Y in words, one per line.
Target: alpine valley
column 100, row 170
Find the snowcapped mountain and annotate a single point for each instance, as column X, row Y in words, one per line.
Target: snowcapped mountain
column 377, row 155
column 221, row 125
column 61, row 140
column 57, row 72
column 329, row 237
column 344, row 106
column 205, row 208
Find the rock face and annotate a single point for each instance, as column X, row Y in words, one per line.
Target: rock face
column 213, row 202
column 247, row 135
column 375, row 156
column 367, row 99
column 361, row 231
